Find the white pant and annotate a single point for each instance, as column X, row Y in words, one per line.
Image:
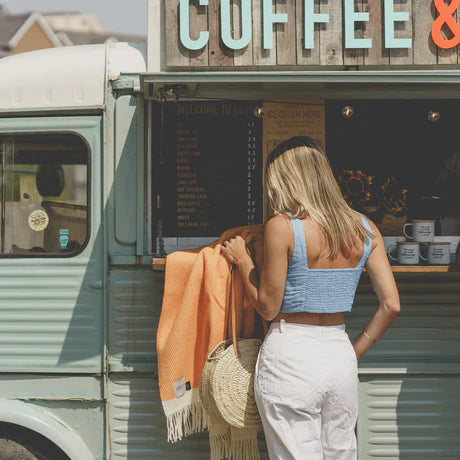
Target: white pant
column 306, row 388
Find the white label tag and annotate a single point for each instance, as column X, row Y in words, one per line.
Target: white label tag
column 179, row 387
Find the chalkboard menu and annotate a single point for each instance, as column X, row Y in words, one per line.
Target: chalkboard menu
column 211, row 179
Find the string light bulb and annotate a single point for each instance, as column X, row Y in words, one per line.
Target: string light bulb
column 433, row 116
column 259, row 112
column 348, row 111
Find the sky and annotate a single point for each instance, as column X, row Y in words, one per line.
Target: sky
column 117, row 15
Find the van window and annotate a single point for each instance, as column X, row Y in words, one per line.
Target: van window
column 43, row 195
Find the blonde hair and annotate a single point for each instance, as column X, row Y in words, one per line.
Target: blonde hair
column 300, row 181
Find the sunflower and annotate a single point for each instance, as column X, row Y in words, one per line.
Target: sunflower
column 355, row 186
column 394, row 198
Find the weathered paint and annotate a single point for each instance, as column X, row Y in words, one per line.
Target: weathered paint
column 51, row 308
column 397, row 32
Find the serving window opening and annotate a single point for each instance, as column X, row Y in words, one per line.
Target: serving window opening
column 44, row 195
column 395, row 161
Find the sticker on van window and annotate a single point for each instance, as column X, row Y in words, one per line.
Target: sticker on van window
column 38, row 220
column 64, row 237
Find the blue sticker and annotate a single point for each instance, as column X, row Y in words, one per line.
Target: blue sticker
column 64, row 237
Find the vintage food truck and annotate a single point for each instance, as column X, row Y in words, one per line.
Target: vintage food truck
column 112, row 156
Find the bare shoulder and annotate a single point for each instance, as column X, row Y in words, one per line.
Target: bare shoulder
column 278, row 229
column 278, row 224
column 377, row 238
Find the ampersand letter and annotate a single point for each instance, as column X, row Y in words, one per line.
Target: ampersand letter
column 446, row 17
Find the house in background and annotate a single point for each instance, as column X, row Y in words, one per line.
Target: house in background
column 34, row 31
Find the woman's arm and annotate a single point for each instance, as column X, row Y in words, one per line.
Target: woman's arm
column 266, row 289
column 384, row 285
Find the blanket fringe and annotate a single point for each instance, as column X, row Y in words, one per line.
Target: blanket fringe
column 244, row 449
column 187, row 420
column 220, row 445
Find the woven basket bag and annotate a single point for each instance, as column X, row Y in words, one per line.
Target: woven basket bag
column 227, row 381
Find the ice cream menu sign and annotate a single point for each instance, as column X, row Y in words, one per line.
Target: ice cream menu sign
column 283, row 120
column 213, row 173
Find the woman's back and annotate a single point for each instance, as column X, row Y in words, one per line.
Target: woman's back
column 317, row 250
column 320, row 290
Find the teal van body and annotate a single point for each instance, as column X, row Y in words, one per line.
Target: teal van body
column 77, row 342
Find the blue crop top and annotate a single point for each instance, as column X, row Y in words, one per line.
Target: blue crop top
column 320, row 290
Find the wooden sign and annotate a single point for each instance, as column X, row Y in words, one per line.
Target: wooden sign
column 279, row 34
column 212, row 173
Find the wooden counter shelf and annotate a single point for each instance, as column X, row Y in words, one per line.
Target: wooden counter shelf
column 159, row 264
column 421, row 268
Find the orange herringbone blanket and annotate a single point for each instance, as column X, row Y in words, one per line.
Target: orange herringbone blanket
column 192, row 323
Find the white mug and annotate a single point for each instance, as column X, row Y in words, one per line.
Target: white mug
column 438, row 253
column 422, row 230
column 408, row 252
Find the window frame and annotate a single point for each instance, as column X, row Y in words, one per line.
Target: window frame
column 43, row 255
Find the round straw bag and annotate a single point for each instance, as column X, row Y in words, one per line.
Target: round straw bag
column 227, row 381
column 232, row 385
column 206, row 393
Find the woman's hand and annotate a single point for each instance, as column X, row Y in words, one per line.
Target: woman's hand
column 236, row 250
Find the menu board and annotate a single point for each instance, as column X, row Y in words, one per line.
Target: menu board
column 212, row 168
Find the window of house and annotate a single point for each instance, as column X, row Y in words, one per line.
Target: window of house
column 44, row 193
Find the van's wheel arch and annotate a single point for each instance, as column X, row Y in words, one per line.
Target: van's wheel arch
column 19, row 443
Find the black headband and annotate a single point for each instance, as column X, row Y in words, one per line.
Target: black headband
column 296, row 141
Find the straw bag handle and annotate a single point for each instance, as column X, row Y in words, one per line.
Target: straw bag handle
column 232, row 310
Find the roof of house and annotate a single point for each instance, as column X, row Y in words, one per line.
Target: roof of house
column 12, row 27
column 9, row 25
column 75, row 22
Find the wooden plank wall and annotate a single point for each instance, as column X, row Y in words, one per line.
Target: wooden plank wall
column 288, row 38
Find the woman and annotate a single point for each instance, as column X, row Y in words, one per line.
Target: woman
column 315, row 248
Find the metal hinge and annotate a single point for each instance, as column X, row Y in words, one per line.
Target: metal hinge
column 127, row 83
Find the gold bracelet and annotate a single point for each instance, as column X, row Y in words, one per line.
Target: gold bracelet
column 369, row 337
